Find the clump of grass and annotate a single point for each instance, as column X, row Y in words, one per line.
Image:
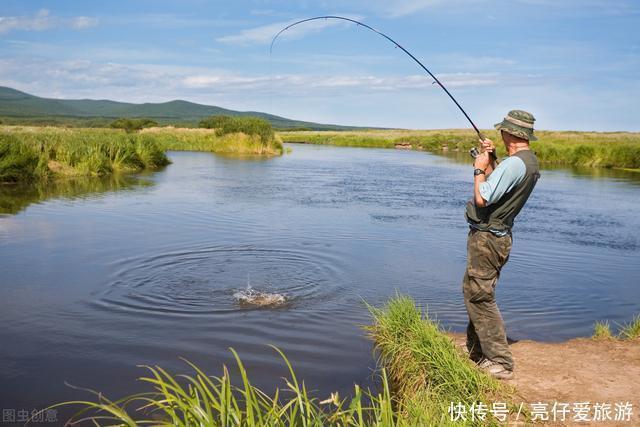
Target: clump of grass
column 426, row 370
column 628, row 331
column 248, row 125
column 211, row 140
column 631, row 330
column 602, row 330
column 18, row 162
column 189, row 400
column 47, row 152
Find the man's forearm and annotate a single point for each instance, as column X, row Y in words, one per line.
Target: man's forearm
column 477, row 180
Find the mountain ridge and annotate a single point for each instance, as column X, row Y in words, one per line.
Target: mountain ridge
column 22, row 106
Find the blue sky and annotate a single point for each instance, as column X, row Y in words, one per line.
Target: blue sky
column 575, row 64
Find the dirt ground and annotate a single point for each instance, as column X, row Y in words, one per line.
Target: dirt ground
column 578, row 371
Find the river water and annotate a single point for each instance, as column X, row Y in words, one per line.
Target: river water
column 98, row 277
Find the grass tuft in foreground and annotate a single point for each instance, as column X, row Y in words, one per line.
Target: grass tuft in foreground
column 628, row 331
column 426, row 370
column 631, row 330
column 188, row 400
column 602, row 330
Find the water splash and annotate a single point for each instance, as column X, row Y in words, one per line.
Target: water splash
column 250, row 297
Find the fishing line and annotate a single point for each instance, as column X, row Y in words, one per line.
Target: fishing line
column 435, row 79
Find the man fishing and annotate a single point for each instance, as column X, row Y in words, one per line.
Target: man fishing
column 499, row 193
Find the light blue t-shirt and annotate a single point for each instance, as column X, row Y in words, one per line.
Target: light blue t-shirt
column 509, row 173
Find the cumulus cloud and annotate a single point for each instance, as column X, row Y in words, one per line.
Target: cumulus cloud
column 42, row 21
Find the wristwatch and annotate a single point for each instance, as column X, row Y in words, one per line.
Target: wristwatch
column 477, row 172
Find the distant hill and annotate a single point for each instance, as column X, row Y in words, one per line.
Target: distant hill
column 21, row 107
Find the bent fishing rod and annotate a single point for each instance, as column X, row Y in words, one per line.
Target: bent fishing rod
column 435, row 79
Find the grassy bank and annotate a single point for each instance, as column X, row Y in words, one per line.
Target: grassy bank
column 185, row 139
column 426, row 373
column 30, row 154
column 593, row 149
column 426, row 370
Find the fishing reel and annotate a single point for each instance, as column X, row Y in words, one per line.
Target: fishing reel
column 474, row 152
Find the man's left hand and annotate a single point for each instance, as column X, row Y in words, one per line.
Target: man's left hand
column 482, row 161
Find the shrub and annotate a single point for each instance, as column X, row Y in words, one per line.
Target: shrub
column 225, row 125
column 133, row 125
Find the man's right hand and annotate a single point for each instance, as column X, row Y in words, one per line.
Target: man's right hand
column 487, row 145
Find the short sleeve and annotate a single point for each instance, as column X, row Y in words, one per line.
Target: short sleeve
column 509, row 173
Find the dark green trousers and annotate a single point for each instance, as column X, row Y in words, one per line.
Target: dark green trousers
column 486, row 334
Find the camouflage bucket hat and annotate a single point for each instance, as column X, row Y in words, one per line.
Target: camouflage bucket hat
column 518, row 123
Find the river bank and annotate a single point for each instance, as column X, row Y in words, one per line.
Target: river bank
column 425, row 378
column 29, row 154
column 591, row 149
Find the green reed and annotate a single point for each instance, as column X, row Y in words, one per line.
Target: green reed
column 425, row 367
column 626, row 331
column 75, row 152
column 185, row 139
column 602, row 330
column 631, row 330
column 37, row 153
column 421, row 374
column 199, row 399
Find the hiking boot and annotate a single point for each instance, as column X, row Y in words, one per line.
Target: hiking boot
column 495, row 369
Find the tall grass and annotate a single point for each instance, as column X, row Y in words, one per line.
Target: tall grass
column 601, row 149
column 34, row 153
column 602, row 330
column 76, row 152
column 18, row 162
column 201, row 400
column 631, row 330
column 426, row 374
column 184, row 139
column 225, row 125
column 627, row 331
column 426, row 369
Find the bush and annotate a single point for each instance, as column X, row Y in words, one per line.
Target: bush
column 133, row 125
column 225, row 125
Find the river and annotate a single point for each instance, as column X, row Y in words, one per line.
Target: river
column 97, row 280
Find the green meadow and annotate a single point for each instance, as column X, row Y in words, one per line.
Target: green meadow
column 619, row 150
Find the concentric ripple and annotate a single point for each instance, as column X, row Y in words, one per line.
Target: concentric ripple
column 207, row 280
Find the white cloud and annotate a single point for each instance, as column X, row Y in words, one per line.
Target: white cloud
column 42, row 21
column 265, row 33
column 153, row 83
column 82, row 22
